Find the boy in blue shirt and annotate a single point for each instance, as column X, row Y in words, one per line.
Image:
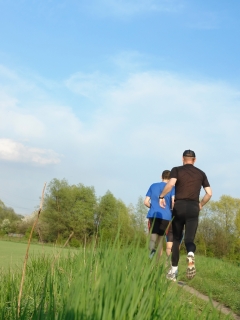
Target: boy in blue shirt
column 159, row 217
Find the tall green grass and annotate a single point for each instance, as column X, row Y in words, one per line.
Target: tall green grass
column 108, row 282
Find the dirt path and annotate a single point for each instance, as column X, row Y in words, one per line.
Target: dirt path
column 216, row 304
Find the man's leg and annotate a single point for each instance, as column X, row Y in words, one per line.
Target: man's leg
column 177, row 227
column 190, row 232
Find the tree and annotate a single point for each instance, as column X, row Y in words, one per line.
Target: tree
column 113, row 218
column 138, row 221
column 125, row 223
column 9, row 220
column 8, row 213
column 107, row 216
column 224, row 211
column 237, row 224
column 66, row 209
column 140, row 214
column 5, row 226
column 219, row 227
column 82, row 211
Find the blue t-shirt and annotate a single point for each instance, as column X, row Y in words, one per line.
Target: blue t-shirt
column 155, row 210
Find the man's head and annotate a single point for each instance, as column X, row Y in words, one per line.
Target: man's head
column 189, row 157
column 166, row 175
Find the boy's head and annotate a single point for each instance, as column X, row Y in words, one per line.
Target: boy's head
column 166, row 175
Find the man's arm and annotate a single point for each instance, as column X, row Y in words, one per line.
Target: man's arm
column 173, row 197
column 206, row 197
column 168, row 187
column 147, row 202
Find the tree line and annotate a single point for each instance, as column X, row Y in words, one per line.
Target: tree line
column 76, row 209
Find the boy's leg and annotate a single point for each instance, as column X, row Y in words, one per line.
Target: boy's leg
column 169, row 239
column 153, row 241
column 160, row 246
column 169, row 245
column 158, row 229
column 153, row 237
column 163, row 228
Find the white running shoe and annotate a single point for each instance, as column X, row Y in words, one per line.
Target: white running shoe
column 172, row 275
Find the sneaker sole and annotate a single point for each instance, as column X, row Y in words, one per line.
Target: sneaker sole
column 191, row 269
column 172, row 279
column 191, row 272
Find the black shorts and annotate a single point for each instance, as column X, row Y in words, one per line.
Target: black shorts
column 158, row 226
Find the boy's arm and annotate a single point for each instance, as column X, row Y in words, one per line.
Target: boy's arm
column 147, row 202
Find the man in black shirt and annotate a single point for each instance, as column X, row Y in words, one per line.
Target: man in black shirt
column 188, row 181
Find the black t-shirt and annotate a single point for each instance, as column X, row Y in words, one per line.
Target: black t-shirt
column 189, row 182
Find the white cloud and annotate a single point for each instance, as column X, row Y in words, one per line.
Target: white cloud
column 154, row 116
column 17, row 152
column 127, row 132
column 17, row 122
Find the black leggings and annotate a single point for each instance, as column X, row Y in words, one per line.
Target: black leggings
column 185, row 213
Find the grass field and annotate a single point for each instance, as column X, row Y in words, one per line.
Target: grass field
column 12, row 253
column 108, row 283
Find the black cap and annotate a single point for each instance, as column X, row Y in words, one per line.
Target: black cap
column 189, row 153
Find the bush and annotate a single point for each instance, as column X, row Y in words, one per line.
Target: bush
column 75, row 243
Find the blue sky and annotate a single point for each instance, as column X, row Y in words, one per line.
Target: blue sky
column 109, row 93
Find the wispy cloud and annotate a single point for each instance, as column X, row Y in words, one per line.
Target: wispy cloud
column 17, row 152
column 85, row 84
column 130, row 61
column 204, row 20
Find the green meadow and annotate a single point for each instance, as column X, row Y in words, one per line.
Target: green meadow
column 105, row 282
column 12, row 253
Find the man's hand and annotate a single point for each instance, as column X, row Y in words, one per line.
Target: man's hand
column 206, row 197
column 162, row 203
column 168, row 187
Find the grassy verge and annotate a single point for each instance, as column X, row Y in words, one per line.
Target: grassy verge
column 217, row 279
column 201, row 305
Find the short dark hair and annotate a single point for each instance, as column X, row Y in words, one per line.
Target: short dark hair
column 189, row 153
column 166, row 174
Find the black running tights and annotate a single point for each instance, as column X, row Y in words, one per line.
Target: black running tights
column 185, row 213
